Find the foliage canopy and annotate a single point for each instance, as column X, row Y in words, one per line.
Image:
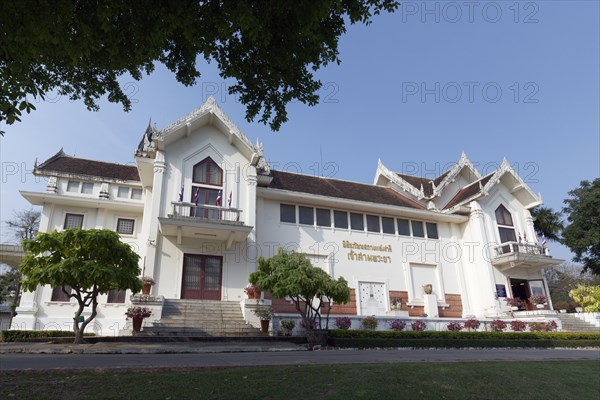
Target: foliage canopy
column 290, row 274
column 80, row 49
column 91, row 262
column 582, row 234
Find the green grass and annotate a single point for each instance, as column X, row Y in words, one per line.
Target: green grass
column 473, row 380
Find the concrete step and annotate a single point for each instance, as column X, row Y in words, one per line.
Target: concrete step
column 571, row 323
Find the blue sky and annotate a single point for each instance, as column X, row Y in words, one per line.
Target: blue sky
column 415, row 88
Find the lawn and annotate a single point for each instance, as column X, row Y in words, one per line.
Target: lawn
column 472, row 380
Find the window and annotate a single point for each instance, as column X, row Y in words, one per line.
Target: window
column 387, row 224
column 503, row 217
column 208, row 172
column 505, row 225
column 125, row 226
column 432, row 232
column 59, row 295
column 116, row 296
column 323, row 217
column 340, row 219
column 287, row 213
column 123, row 192
column 73, row 186
column 373, row 223
column 136, row 194
column 73, row 221
column 417, row 228
column 403, row 227
column 306, row 215
column 357, row 222
column 87, row 188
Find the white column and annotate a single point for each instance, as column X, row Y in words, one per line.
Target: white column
column 156, row 210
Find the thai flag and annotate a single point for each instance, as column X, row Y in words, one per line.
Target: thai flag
column 229, row 199
column 196, row 195
column 219, row 198
column 181, row 194
column 544, row 241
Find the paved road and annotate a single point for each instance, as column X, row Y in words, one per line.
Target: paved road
column 12, row 362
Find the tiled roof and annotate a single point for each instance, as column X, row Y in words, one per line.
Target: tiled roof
column 65, row 164
column 468, row 191
column 417, row 181
column 340, row 189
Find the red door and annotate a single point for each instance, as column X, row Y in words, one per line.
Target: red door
column 201, row 277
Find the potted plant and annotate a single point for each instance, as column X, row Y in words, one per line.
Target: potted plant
column 147, row 283
column 397, row 325
column 418, row 325
column 264, row 314
column 137, row 314
column 498, row 325
column 472, row 324
column 343, row 323
column 539, row 300
column 514, row 302
column 454, row 326
column 252, row 291
column 369, row 323
column 287, row 326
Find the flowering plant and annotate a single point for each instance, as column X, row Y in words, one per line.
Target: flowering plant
column 251, row 289
column 454, row 326
column 517, row 326
column 418, row 325
column 514, row 302
column 343, row 323
column 538, row 299
column 472, row 324
column 147, row 280
column 138, row 312
column 498, row 325
column 397, row 325
column 551, row 326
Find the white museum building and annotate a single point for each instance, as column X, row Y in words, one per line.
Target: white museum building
column 200, row 204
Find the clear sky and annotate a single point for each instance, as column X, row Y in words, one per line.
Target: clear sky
column 415, row 88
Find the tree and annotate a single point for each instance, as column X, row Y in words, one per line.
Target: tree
column 10, row 282
column 290, row 274
column 90, row 262
column 24, row 224
column 582, row 234
column 80, row 48
column 565, row 277
column 547, row 222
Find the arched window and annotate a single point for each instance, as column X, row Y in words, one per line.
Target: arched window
column 506, row 228
column 207, row 172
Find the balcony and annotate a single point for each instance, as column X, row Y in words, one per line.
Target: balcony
column 204, row 221
column 530, row 256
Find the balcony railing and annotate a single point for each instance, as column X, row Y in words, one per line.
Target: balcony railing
column 521, row 248
column 205, row 212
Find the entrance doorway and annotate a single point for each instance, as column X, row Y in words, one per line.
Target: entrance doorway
column 520, row 289
column 202, row 276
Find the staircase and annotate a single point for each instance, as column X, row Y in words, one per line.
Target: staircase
column 201, row 318
column 570, row 323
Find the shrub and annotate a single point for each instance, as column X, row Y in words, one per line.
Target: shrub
column 17, row 335
column 551, row 326
column 538, row 299
column 397, row 325
column 288, row 324
column 310, row 326
column 343, row 323
column 472, row 324
column 587, row 296
column 517, row 326
column 536, row 326
column 369, row 323
column 418, row 325
column 498, row 325
column 454, row 326
column 566, row 305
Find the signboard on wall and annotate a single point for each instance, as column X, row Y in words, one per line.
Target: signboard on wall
column 500, row 290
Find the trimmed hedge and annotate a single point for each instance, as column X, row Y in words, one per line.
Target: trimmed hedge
column 446, row 335
column 17, row 335
column 460, row 343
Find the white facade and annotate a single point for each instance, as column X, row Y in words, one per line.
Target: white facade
column 207, row 251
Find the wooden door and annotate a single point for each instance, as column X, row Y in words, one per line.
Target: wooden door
column 202, row 276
